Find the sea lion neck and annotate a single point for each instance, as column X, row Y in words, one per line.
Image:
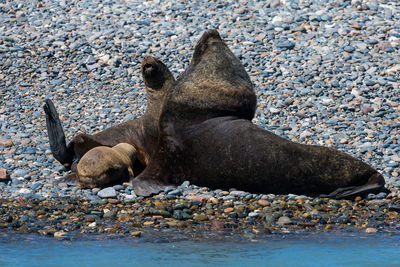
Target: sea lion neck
column 215, row 84
column 158, row 79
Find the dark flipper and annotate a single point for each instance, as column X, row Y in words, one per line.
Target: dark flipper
column 375, row 184
column 56, row 135
column 145, row 188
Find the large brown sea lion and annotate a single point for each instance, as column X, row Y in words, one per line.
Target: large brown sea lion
column 206, row 137
column 142, row 132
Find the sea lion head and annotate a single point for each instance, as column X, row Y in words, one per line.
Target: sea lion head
column 156, row 75
column 126, row 149
column 158, row 79
column 215, row 84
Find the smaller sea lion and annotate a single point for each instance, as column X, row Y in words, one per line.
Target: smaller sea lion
column 104, row 165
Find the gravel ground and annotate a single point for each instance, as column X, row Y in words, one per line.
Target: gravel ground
column 325, row 73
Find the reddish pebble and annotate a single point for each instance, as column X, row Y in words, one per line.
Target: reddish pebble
column 367, row 109
column 5, row 142
column 10, row 151
column 237, row 193
column 3, row 174
column 228, row 210
column 217, row 225
column 201, row 198
column 263, row 202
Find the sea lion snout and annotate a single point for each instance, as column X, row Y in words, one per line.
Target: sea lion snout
column 155, row 73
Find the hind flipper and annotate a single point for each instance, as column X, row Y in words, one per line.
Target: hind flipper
column 69, row 179
column 149, row 182
column 146, row 188
column 56, row 135
column 375, row 184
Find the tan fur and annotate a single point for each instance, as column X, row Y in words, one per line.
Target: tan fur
column 103, row 165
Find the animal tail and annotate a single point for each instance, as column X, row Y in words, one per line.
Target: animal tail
column 55, row 131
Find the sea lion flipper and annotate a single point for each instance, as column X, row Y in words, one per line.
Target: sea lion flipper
column 69, row 179
column 375, row 184
column 56, row 135
column 145, row 188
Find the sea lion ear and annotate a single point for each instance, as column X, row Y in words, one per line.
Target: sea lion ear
column 202, row 44
column 156, row 74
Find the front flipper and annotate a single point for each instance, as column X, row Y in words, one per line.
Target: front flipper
column 56, row 135
column 145, row 188
column 375, row 184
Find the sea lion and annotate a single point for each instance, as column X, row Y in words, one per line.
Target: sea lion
column 141, row 132
column 206, row 137
column 103, row 165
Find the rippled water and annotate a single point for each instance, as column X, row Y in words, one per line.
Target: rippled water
column 326, row 249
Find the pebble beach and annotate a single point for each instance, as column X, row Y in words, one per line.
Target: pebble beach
column 325, row 73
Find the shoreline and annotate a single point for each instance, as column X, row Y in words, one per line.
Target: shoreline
column 325, row 73
column 197, row 211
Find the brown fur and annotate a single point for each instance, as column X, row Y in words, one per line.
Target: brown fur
column 206, row 137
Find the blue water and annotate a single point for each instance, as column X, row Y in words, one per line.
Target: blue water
column 332, row 249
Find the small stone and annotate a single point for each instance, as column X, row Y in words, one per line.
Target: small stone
column 335, row 84
column 136, row 233
column 200, row 217
column 24, row 191
column 20, row 173
column 284, row 220
column 286, row 45
column 175, row 192
column 6, row 142
column 237, row 193
column 228, row 210
column 217, row 225
column 109, row 215
column 3, row 174
column 253, row 214
column 394, row 207
column 367, row 109
column 349, row 49
column 369, row 82
column 275, row 3
column 59, row 234
column 118, row 187
column 185, row 184
column 108, row 192
column 201, row 198
column 274, row 110
column 372, row 41
column 264, row 203
column 371, row 230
